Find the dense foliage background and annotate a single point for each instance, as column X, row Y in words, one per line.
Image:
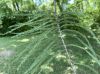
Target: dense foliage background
column 49, row 37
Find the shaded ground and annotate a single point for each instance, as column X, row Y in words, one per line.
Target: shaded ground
column 9, row 47
column 8, row 50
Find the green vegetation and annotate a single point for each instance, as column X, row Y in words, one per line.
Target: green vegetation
column 49, row 37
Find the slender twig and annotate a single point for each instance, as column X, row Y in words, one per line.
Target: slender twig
column 63, row 42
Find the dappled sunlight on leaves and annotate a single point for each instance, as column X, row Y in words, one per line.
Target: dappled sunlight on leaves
column 46, row 68
column 23, row 40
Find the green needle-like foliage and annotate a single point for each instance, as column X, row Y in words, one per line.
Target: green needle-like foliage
column 35, row 45
column 39, row 49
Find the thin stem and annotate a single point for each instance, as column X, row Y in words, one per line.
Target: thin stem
column 63, row 42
